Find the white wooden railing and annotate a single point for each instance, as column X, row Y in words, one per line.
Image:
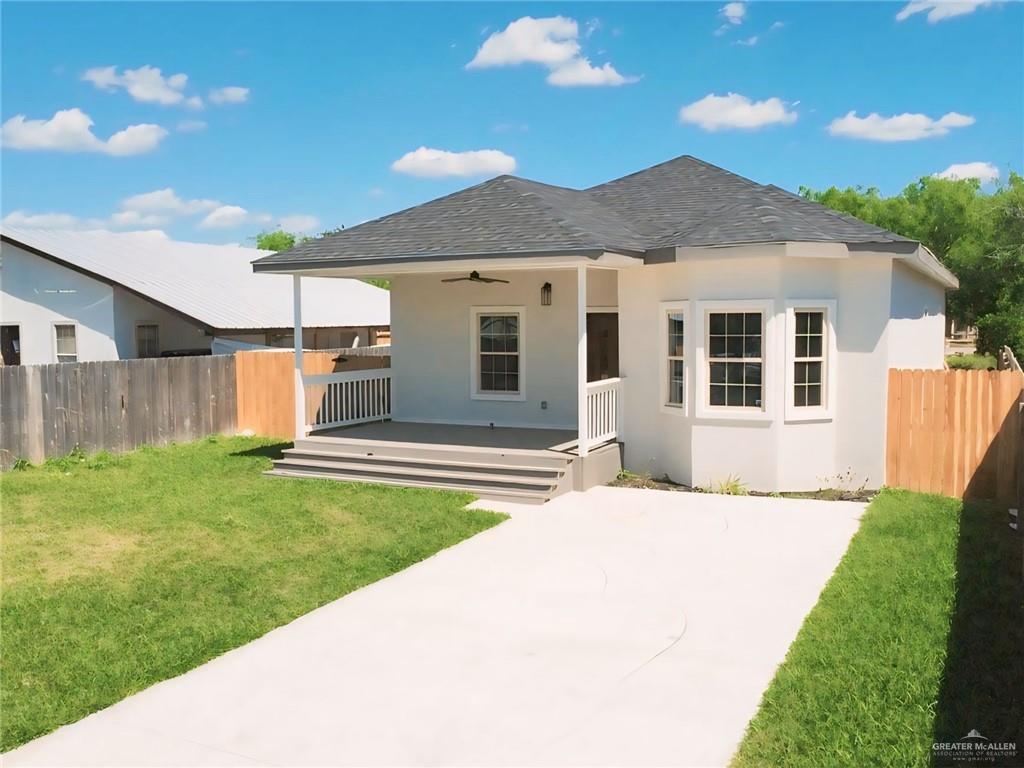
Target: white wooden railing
column 604, row 411
column 351, row 397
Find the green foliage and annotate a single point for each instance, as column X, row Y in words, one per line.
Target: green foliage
column 971, row 362
column 915, row 637
column 380, row 282
column 730, row 486
column 978, row 236
column 121, row 571
column 276, row 241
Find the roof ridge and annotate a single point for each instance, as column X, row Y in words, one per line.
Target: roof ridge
column 670, row 161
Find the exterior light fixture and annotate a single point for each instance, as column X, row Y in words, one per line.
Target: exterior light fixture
column 545, row 295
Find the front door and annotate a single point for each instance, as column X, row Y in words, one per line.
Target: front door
column 602, row 345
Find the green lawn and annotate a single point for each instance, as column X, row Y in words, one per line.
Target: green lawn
column 917, row 638
column 971, row 362
column 119, row 572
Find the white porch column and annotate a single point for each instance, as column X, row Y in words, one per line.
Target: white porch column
column 300, row 390
column 581, row 358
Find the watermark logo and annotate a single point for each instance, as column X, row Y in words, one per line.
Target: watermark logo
column 974, row 749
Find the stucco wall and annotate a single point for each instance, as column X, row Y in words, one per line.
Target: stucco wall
column 35, row 293
column 431, row 348
column 175, row 332
column 772, row 453
column 918, row 320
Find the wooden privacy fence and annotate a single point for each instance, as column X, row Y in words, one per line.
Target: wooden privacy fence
column 49, row 410
column 266, row 384
column 959, row 433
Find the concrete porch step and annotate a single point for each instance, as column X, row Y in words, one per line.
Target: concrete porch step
column 416, row 464
column 430, row 453
column 483, row 492
column 383, row 468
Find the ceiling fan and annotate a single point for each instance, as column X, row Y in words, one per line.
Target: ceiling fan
column 474, row 277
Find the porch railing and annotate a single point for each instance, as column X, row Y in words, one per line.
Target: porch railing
column 350, row 397
column 604, row 411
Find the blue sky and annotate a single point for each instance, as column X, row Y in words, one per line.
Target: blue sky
column 323, row 102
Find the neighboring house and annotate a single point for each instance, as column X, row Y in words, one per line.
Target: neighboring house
column 711, row 325
column 69, row 296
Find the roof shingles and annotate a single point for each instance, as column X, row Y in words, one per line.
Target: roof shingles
column 681, row 202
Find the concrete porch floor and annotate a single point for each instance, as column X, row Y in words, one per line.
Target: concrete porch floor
column 515, row 438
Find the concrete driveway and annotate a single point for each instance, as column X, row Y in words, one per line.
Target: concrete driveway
column 613, row 627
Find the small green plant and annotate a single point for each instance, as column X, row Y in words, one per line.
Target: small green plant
column 842, row 486
column 66, row 463
column 102, row 460
column 730, row 486
column 971, row 362
column 21, row 465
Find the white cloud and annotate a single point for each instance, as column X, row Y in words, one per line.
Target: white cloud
column 940, row 10
column 229, row 94
column 549, row 41
column 776, row 25
column 713, row 113
column 748, row 41
column 552, row 42
column 228, row 216
column 224, row 217
column 434, row 163
column 905, row 127
column 194, row 102
column 580, row 71
column 41, row 220
column 983, row 172
column 145, row 84
column 733, row 13
column 122, row 219
column 166, row 201
column 299, row 222
column 70, row 130
column 192, row 126
column 591, row 27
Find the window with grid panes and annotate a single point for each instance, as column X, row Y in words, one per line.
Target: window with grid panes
column 676, row 363
column 67, row 343
column 735, row 359
column 499, row 353
column 809, row 358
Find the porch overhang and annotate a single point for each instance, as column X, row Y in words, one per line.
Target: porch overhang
column 387, row 266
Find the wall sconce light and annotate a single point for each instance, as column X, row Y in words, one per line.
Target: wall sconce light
column 545, row 295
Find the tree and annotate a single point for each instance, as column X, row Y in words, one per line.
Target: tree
column 277, row 241
column 978, row 236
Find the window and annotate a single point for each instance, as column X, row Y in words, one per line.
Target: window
column 676, row 365
column 10, row 344
column 66, row 343
column 735, row 362
column 809, row 358
column 147, row 341
column 498, row 353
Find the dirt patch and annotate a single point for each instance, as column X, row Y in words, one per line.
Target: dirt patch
column 630, row 480
column 82, row 554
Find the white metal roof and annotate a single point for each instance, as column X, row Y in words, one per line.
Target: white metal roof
column 213, row 284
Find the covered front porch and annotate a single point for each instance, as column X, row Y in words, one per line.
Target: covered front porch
column 517, row 368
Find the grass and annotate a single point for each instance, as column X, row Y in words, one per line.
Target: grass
column 916, row 639
column 971, row 362
column 119, row 572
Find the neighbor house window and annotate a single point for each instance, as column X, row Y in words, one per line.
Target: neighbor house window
column 676, row 364
column 66, row 343
column 809, row 358
column 147, row 340
column 498, row 369
column 735, row 359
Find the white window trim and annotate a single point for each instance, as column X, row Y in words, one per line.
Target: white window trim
column 825, row 412
column 675, row 307
column 53, row 339
column 155, row 325
column 702, row 393
column 474, row 353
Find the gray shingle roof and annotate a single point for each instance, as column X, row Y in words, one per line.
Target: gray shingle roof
column 681, row 202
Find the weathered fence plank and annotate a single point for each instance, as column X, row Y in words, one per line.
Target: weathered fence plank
column 956, row 432
column 49, row 410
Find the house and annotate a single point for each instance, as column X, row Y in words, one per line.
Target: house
column 69, row 296
column 695, row 323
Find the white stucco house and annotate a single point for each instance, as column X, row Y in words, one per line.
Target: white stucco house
column 69, row 296
column 681, row 321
